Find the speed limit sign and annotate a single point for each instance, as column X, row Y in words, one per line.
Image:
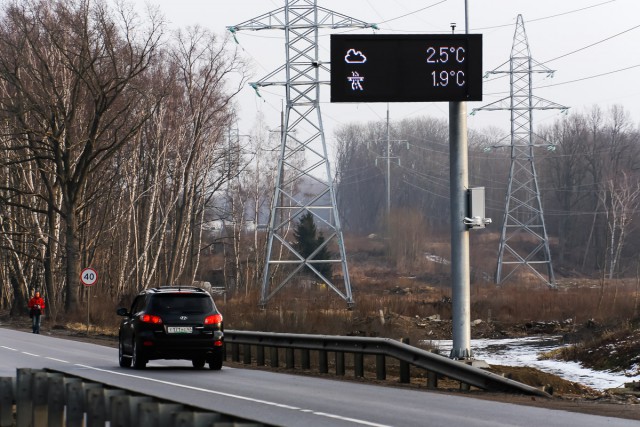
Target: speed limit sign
column 89, row 277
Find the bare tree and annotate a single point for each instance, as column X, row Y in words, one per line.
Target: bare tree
column 621, row 198
column 147, row 122
column 566, row 168
column 613, row 150
column 594, row 168
column 359, row 182
column 203, row 72
column 249, row 196
column 70, row 72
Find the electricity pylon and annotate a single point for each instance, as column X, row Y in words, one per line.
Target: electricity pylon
column 302, row 136
column 523, row 216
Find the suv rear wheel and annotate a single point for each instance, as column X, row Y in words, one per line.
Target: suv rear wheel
column 138, row 359
column 215, row 360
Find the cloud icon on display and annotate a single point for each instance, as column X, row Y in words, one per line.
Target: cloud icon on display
column 355, row 57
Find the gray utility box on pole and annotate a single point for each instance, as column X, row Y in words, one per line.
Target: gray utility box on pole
column 476, row 214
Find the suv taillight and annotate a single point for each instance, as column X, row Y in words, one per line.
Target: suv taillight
column 212, row 320
column 150, row 318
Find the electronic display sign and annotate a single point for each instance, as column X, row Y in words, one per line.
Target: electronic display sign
column 406, row 68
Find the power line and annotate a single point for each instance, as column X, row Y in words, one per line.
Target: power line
column 575, row 51
column 545, row 17
column 494, row 26
column 491, row 204
column 346, row 181
column 553, row 212
column 431, row 178
column 431, row 150
column 414, row 12
column 425, row 190
column 573, row 81
column 590, row 77
column 594, row 44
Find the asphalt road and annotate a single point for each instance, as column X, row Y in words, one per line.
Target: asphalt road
column 277, row 398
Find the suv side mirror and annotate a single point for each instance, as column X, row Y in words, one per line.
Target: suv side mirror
column 122, row 311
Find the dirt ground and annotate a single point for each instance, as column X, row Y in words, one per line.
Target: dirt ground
column 566, row 395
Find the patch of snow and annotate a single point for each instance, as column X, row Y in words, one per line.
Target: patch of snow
column 524, row 352
column 436, row 258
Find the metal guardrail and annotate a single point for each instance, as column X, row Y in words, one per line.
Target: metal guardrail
column 54, row 398
column 49, row 398
column 436, row 365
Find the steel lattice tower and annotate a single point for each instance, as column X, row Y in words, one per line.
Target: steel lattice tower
column 523, row 221
column 303, row 151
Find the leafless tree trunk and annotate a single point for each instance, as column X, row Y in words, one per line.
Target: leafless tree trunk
column 621, row 199
column 635, row 297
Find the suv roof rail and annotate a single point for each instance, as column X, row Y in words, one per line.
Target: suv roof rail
column 178, row 288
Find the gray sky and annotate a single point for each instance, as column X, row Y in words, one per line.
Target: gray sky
column 587, row 42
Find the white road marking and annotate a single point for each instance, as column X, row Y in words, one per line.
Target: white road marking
column 56, row 360
column 34, row 355
column 353, row 420
column 235, row 396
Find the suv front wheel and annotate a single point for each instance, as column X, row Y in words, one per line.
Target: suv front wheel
column 125, row 361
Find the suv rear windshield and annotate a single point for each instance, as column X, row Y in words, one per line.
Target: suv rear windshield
column 181, row 303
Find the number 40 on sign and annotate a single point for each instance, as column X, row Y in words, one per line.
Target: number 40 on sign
column 89, row 277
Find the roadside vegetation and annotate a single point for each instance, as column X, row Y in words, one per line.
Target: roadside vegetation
column 598, row 318
column 614, row 347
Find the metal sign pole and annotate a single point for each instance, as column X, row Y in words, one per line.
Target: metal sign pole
column 459, row 184
column 88, row 277
column 88, row 306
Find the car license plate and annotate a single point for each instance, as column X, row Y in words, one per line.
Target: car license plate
column 179, row 329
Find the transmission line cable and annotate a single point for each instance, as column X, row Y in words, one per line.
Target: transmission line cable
column 414, row 12
column 590, row 77
column 574, row 51
column 594, row 44
column 573, row 81
column 545, row 17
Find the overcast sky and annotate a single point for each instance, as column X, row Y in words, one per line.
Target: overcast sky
column 588, row 42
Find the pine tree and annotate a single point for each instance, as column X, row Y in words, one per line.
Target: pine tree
column 308, row 239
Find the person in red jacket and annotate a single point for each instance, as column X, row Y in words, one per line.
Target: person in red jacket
column 36, row 309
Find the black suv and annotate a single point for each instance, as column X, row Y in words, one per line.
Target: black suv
column 171, row 323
